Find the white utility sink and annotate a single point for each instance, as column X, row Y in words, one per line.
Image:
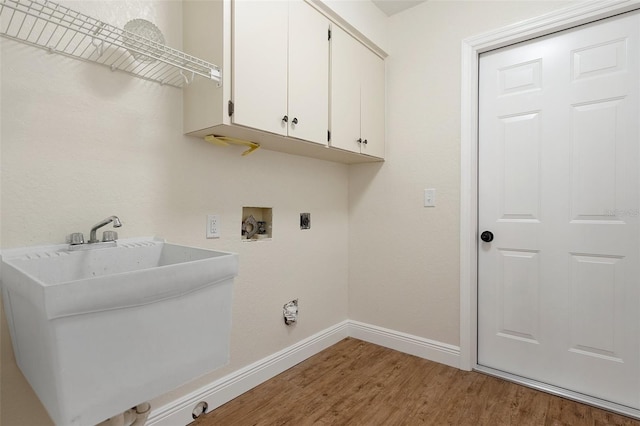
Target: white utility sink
column 98, row 331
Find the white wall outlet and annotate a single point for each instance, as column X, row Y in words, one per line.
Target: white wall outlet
column 430, row 197
column 213, row 226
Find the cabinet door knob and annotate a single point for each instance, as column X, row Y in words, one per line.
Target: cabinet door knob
column 295, row 120
column 364, row 141
column 285, row 118
column 359, row 140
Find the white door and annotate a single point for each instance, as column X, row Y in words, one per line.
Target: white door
column 558, row 286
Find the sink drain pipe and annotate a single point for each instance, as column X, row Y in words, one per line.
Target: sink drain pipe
column 136, row 416
column 142, row 414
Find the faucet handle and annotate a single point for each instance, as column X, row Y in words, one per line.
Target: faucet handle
column 109, row 236
column 76, row 238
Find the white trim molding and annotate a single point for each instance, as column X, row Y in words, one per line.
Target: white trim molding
column 424, row 348
column 215, row 394
column 562, row 19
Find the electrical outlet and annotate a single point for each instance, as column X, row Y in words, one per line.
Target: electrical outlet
column 213, row 226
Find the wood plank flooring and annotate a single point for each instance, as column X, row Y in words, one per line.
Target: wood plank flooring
column 358, row 383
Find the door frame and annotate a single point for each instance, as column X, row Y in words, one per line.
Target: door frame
column 562, row 19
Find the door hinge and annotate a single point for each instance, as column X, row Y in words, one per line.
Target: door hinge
column 230, row 108
column 328, row 135
column 329, row 34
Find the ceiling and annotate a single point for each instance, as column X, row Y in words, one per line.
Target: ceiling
column 391, row 7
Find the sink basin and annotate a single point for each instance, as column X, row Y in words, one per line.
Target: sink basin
column 98, row 331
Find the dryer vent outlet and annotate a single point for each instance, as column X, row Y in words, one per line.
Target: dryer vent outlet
column 305, row 220
column 290, row 312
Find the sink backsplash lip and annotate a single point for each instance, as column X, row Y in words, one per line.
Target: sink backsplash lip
column 11, row 253
column 14, row 256
column 63, row 249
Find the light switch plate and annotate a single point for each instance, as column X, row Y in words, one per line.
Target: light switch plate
column 430, row 197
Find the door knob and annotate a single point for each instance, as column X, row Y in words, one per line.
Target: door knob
column 295, row 120
column 359, row 140
column 486, row 236
column 365, row 142
column 285, row 118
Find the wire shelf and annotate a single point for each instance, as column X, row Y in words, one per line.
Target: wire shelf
column 58, row 29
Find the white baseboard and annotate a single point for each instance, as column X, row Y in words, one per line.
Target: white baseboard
column 407, row 343
column 225, row 389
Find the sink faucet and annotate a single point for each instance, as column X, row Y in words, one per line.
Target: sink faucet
column 116, row 224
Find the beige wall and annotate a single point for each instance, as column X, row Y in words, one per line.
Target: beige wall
column 403, row 257
column 364, row 16
column 80, row 143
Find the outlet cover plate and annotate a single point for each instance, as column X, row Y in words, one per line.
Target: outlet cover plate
column 430, row 197
column 213, row 226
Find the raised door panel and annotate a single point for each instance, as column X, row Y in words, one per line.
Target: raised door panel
column 308, row 73
column 345, row 91
column 520, row 149
column 259, row 80
column 517, row 288
column 595, row 146
column 372, row 103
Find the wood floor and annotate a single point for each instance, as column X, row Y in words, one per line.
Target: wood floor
column 358, row 383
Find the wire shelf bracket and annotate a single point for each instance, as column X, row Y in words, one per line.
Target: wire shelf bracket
column 58, row 29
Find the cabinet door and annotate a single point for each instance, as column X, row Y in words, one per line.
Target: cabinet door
column 260, row 64
column 345, row 90
column 308, row 73
column 372, row 99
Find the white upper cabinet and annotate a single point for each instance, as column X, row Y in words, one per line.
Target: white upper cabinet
column 308, row 73
column 372, row 98
column 345, row 91
column 357, row 96
column 281, row 68
column 260, row 46
column 285, row 85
